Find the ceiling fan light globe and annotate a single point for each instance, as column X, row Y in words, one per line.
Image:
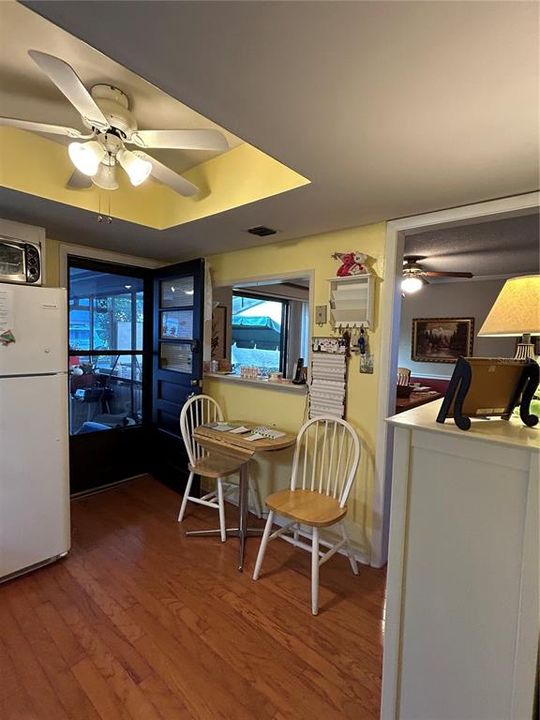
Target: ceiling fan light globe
column 86, row 156
column 105, row 178
column 411, row 285
column 137, row 168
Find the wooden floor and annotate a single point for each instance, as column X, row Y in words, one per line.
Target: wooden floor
column 141, row 622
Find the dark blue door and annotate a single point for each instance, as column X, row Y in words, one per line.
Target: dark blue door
column 177, row 362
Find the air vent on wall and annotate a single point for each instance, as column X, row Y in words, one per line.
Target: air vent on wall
column 261, row 231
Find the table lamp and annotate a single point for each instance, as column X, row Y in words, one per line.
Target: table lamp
column 516, row 313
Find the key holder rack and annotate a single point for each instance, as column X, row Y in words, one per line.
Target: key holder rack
column 352, row 301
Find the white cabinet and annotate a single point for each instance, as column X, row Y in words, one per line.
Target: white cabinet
column 351, row 301
column 461, row 636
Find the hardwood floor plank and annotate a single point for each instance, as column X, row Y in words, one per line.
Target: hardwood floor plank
column 17, row 707
column 232, row 697
column 9, row 682
column 44, row 701
column 52, row 656
column 141, row 622
column 99, row 692
column 71, row 600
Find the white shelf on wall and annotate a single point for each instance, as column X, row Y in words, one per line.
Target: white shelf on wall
column 351, row 301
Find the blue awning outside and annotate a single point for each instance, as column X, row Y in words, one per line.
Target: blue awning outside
column 256, row 331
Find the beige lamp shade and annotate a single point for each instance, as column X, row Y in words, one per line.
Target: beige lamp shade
column 516, row 311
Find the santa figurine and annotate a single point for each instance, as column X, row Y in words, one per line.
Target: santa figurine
column 352, row 263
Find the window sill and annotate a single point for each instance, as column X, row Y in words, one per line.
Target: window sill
column 286, row 385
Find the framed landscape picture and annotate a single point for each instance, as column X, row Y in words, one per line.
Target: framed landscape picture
column 441, row 339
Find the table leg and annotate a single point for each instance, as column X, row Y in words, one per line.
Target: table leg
column 242, row 532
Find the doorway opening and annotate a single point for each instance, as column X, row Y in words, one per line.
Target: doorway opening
column 107, row 365
column 401, row 233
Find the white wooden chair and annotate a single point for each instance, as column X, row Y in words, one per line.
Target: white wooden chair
column 199, row 410
column 403, row 376
column 325, row 461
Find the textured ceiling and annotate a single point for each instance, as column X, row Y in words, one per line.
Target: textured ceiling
column 499, row 247
column 389, row 108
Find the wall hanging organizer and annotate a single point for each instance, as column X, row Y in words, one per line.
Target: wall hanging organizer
column 328, row 377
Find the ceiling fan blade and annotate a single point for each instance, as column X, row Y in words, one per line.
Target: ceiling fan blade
column 68, row 82
column 180, row 139
column 168, row 177
column 41, row 127
column 433, row 273
column 79, row 181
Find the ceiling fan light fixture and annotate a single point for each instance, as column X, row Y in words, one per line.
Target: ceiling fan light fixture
column 137, row 168
column 105, row 178
column 86, row 156
column 411, row 284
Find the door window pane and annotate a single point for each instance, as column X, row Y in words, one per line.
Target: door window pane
column 105, row 392
column 105, row 311
column 177, row 292
column 177, row 324
column 176, row 356
column 105, row 318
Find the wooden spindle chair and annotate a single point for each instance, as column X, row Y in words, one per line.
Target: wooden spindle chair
column 403, row 376
column 200, row 410
column 325, row 462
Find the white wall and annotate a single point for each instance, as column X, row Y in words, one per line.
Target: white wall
column 470, row 298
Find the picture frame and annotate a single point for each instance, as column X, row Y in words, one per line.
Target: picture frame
column 490, row 387
column 219, row 333
column 442, row 340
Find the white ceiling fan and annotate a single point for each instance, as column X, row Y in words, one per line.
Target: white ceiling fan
column 111, row 126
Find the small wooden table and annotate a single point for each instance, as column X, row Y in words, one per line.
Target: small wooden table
column 415, row 399
column 234, row 445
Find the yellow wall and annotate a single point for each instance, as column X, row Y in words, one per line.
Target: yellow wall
column 52, row 259
column 52, row 263
column 39, row 166
column 287, row 410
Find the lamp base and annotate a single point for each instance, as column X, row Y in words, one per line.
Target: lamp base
column 525, row 349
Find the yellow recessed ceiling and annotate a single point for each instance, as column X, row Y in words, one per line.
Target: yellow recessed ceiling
column 40, row 165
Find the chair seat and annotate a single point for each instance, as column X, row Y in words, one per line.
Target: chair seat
column 307, row 507
column 216, row 466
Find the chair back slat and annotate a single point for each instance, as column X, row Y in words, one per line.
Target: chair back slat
column 403, row 376
column 328, row 452
column 198, row 410
column 323, row 455
column 314, row 458
column 306, row 444
column 331, row 461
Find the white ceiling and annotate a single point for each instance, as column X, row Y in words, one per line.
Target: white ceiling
column 389, row 108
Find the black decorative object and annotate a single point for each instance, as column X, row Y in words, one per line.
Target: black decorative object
column 490, row 387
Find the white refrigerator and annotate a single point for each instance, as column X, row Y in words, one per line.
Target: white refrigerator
column 34, row 471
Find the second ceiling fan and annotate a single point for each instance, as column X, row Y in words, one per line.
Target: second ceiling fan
column 105, row 112
column 414, row 276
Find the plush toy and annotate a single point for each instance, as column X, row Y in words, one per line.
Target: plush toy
column 352, row 263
